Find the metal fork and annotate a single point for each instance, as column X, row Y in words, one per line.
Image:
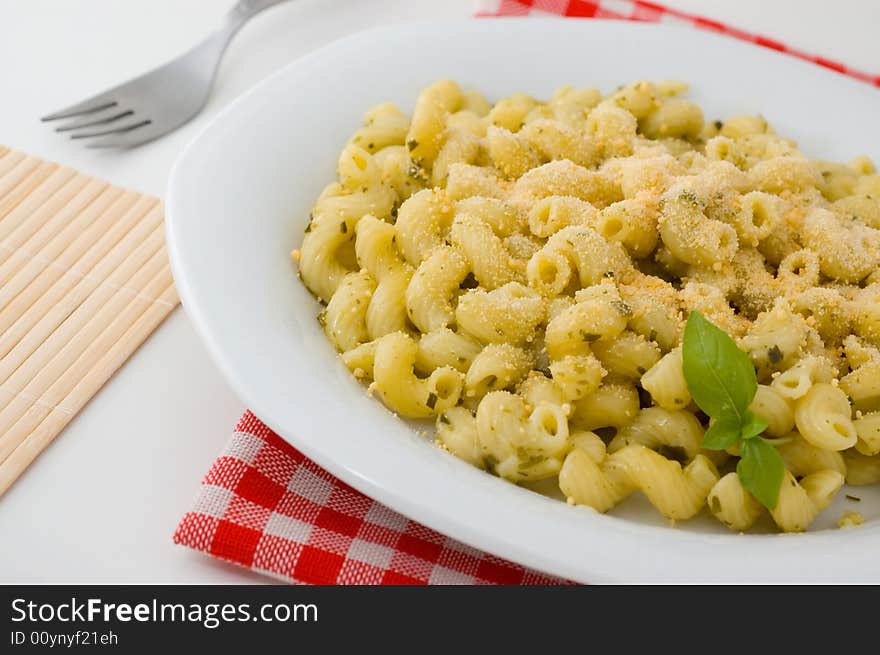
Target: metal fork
column 161, row 100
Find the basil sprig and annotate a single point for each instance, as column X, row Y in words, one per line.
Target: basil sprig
column 721, row 379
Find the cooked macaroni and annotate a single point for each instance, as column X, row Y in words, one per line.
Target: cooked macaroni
column 521, row 273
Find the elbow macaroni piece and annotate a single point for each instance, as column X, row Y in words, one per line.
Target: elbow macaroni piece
column 577, row 376
column 428, row 128
column 600, row 483
column 862, row 469
column 800, row 502
column 678, row 493
column 377, row 254
column 629, row 356
column 802, row 458
column 457, row 432
column 395, row 380
column 519, row 444
column 690, row 235
column 434, row 288
column 345, row 320
column 521, row 271
column 445, row 347
column 507, row 314
column 868, row 433
column 677, row 432
column 732, row 505
column 665, row 382
column 498, row 366
column 423, row 221
column 823, row 418
column 611, row 405
column 773, row 407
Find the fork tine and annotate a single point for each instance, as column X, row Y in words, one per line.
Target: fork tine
column 87, row 106
column 102, row 117
column 113, row 128
column 124, row 139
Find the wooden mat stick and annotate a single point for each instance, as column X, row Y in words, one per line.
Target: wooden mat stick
column 45, row 180
column 39, row 196
column 49, row 428
column 20, row 171
column 10, row 160
column 79, row 192
column 128, row 270
column 79, row 258
column 23, row 415
column 63, row 250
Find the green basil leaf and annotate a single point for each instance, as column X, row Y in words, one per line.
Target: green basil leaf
column 761, row 471
column 723, row 433
column 753, row 426
column 720, row 376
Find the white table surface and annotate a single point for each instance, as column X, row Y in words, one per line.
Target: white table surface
column 101, row 504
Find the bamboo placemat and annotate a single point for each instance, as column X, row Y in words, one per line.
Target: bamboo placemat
column 84, row 279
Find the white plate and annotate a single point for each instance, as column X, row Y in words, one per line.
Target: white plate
column 238, row 201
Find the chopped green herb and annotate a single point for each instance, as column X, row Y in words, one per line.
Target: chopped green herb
column 608, row 274
column 491, row 380
column 589, row 337
column 652, row 335
column 622, row 307
column 444, row 419
column 322, row 318
column 431, row 402
column 490, row 463
column 412, row 144
column 530, row 462
column 718, row 125
column 688, row 196
column 775, row 354
column 343, row 227
column 855, row 499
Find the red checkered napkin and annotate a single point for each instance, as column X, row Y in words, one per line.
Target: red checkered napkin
column 264, row 505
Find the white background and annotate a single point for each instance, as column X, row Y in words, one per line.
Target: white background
column 101, row 504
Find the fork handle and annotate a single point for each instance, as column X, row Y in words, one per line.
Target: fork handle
column 210, row 51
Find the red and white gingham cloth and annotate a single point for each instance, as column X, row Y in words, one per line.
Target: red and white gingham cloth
column 265, row 506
